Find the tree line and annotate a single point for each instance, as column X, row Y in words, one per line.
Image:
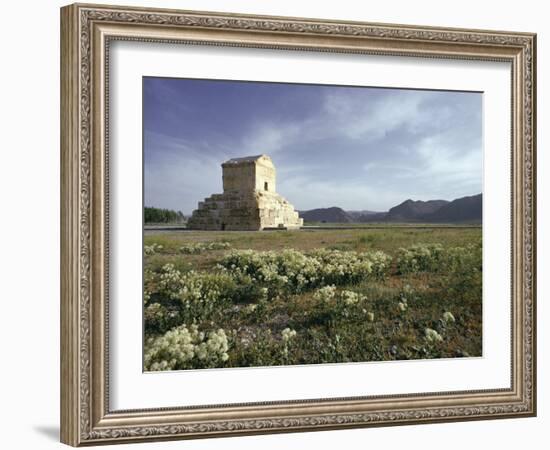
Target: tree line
column 160, row 215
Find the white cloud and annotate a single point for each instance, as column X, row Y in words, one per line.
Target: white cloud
column 358, row 119
column 182, row 173
column 269, row 138
column 347, row 116
column 306, row 193
column 397, row 145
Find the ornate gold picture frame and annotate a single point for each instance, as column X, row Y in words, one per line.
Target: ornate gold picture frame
column 87, row 31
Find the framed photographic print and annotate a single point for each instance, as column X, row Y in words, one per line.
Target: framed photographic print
column 276, row 224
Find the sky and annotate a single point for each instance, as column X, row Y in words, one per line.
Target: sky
column 357, row 148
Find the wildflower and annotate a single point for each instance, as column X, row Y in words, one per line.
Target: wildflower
column 200, row 247
column 177, row 348
column 432, row 336
column 402, row 306
column 349, row 297
column 325, row 294
column 151, row 249
column 448, row 317
column 420, row 258
column 287, row 334
column 299, row 271
column 370, row 317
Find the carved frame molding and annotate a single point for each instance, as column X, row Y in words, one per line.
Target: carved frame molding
column 86, row 32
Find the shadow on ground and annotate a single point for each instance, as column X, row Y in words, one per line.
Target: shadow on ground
column 49, row 431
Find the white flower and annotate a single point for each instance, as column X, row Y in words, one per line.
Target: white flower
column 325, row 294
column 287, row 334
column 432, row 336
column 448, row 317
column 349, row 297
column 177, row 347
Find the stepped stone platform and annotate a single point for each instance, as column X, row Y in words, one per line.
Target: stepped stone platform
column 249, row 200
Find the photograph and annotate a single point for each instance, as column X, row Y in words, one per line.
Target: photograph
column 292, row 224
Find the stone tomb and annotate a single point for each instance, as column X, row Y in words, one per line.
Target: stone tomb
column 249, row 200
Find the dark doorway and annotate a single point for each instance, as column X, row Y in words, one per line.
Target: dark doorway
column 265, row 186
column 223, row 226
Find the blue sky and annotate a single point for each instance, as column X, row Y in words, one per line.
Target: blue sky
column 353, row 147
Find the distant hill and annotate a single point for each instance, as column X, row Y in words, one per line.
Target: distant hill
column 461, row 210
column 411, row 210
column 329, row 215
column 465, row 209
column 364, row 215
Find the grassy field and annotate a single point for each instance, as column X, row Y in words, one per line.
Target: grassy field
column 234, row 299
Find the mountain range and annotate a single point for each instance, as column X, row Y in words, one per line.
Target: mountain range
column 460, row 210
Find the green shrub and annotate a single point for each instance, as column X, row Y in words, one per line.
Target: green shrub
column 333, row 305
column 159, row 319
column 200, row 247
column 420, row 258
column 436, row 258
column 197, row 295
column 186, row 348
column 296, row 272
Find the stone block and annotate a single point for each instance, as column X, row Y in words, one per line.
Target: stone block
column 249, row 200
